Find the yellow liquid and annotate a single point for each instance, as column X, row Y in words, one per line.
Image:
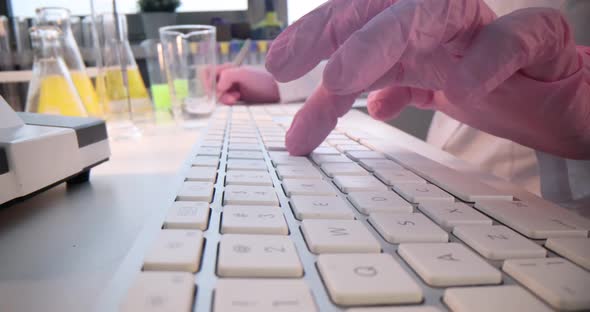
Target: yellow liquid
column 87, row 93
column 57, row 97
column 116, row 88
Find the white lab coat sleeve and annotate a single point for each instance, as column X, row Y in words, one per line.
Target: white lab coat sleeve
column 566, row 181
column 299, row 89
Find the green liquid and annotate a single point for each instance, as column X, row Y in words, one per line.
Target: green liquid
column 181, row 88
column 161, row 96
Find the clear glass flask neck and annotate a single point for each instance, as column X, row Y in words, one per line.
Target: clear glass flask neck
column 46, row 42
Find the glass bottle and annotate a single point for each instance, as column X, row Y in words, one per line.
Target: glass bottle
column 60, row 18
column 51, row 90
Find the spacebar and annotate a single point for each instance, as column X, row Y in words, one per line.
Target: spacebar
column 465, row 188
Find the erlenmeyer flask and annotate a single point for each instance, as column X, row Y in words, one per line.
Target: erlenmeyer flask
column 51, row 89
column 125, row 88
column 60, row 17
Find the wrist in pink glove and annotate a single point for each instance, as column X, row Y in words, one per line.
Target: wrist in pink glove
column 519, row 76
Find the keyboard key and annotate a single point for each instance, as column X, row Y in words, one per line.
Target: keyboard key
column 175, row 250
column 396, row 309
column 506, row 298
column 320, row 159
column 397, row 176
column 196, row 191
column 206, row 161
column 253, row 220
column 399, row 228
column 263, row 295
column 418, row 193
column 298, row 172
column 448, row 215
column 337, row 136
column 320, row 207
column 338, row 236
column 460, row 185
column 234, row 139
column 209, row 151
column 246, row 164
column 244, row 177
column 258, row 256
column 498, row 242
column 187, row 215
column 357, row 134
column 242, row 134
column 349, row 184
column 283, row 158
column 207, row 174
column 380, row 164
column 367, row 279
column 351, row 147
column 335, row 142
column 250, row 195
column 349, row 169
column 275, row 146
column 160, row 291
column 325, row 151
column 448, row 264
column 307, row 187
column 214, row 137
column 557, row 281
column 244, row 147
column 245, row 155
column 358, row 155
column 216, row 143
column 541, row 220
column 576, row 249
column 369, row 202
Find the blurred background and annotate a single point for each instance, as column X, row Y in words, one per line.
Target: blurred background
column 235, row 21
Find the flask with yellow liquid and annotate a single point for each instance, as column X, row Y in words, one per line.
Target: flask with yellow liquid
column 51, row 90
column 125, row 89
column 60, row 18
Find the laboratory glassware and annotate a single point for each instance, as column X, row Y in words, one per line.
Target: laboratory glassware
column 125, row 88
column 190, row 86
column 7, row 62
column 157, row 75
column 51, row 90
column 60, row 17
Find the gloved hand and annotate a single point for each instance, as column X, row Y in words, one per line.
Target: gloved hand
column 519, row 76
column 244, row 83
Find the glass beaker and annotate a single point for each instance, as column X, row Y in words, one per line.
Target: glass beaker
column 124, row 85
column 60, row 18
column 186, row 68
column 51, row 89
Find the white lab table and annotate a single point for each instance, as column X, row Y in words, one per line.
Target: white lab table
column 59, row 249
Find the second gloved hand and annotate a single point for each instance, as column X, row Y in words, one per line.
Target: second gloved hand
column 245, row 83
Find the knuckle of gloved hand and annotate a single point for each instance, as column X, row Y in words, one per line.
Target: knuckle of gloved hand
column 549, row 28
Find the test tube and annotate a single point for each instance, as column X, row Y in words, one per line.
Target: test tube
column 157, row 76
column 234, row 48
column 262, row 49
column 224, row 52
column 253, row 58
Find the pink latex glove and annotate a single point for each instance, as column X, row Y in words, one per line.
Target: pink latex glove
column 519, row 76
column 245, row 83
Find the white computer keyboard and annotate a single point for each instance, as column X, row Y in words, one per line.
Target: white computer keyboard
column 350, row 228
